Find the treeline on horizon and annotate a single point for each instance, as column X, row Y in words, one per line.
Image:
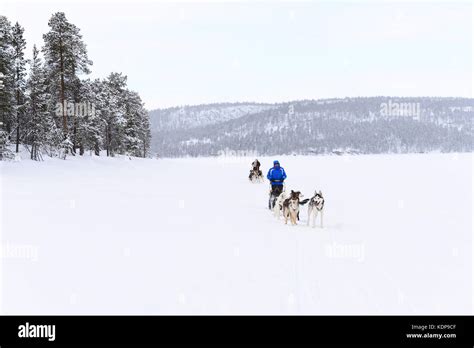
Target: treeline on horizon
column 312, row 127
column 49, row 109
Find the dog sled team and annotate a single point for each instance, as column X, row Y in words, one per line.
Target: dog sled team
column 288, row 204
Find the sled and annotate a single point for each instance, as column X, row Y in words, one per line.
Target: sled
column 256, row 176
column 275, row 191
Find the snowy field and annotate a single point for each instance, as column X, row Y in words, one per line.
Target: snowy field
column 193, row 236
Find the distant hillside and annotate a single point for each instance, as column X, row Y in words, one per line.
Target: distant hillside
column 186, row 117
column 349, row 125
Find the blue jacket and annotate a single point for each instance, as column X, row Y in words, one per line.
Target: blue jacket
column 276, row 175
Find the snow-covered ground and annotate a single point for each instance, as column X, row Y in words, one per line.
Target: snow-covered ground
column 178, row 236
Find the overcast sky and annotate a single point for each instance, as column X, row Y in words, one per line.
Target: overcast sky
column 177, row 53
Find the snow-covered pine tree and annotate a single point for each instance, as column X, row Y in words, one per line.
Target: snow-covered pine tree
column 90, row 127
column 114, row 112
column 19, row 79
column 145, row 131
column 134, row 111
column 65, row 58
column 78, row 100
column 42, row 132
column 6, row 86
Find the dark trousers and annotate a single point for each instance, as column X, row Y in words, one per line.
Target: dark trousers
column 277, row 190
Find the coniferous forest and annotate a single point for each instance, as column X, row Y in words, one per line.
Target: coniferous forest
column 49, row 107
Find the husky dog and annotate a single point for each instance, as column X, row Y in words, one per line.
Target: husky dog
column 316, row 205
column 278, row 207
column 291, row 207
